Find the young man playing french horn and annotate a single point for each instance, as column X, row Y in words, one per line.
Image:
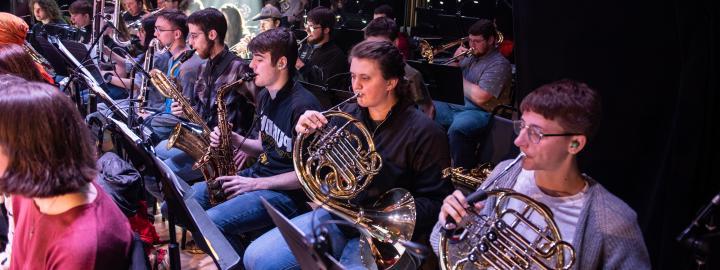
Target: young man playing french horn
column 557, row 121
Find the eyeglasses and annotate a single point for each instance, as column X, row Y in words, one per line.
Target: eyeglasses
column 193, row 36
column 312, row 27
column 163, row 30
column 534, row 134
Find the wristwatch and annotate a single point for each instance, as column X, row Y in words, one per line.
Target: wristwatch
column 108, row 77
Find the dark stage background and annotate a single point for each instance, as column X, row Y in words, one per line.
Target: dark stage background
column 656, row 67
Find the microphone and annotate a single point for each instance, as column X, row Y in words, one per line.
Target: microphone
column 125, row 55
column 110, row 24
column 688, row 237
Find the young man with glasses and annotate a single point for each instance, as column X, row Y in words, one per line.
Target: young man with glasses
column 207, row 29
column 486, row 77
column 557, row 122
column 171, row 31
column 320, row 59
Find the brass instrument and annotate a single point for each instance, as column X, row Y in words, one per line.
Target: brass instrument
column 186, row 55
column 222, row 155
column 192, row 138
column 38, row 58
column 135, row 25
column 336, row 163
column 241, row 48
column 154, row 47
column 169, row 90
column 428, row 52
column 455, row 58
column 300, row 42
column 468, row 181
column 517, row 232
column 500, row 38
column 102, row 11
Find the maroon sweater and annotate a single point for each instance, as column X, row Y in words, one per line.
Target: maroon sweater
column 90, row 236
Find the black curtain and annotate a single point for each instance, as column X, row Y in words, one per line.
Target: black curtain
column 655, row 65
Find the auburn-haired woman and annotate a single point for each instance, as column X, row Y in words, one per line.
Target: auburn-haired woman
column 15, row 61
column 63, row 219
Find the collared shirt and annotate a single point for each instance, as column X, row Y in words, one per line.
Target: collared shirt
column 221, row 70
column 492, row 72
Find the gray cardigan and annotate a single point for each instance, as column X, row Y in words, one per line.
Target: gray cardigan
column 607, row 234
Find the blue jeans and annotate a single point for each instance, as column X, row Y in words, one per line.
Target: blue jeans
column 244, row 213
column 465, row 124
column 270, row 251
column 178, row 161
column 163, row 125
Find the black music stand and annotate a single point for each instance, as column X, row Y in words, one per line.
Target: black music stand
column 305, row 254
column 57, row 61
column 445, row 83
column 79, row 51
column 181, row 204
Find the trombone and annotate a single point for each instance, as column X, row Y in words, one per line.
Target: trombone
column 428, row 52
column 455, row 58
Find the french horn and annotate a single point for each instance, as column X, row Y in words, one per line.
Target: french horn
column 334, row 165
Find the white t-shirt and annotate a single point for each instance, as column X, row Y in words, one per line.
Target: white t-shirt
column 566, row 210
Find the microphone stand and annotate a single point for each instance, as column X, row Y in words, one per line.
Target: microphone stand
column 697, row 235
column 133, row 120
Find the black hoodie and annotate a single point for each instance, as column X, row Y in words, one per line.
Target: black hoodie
column 414, row 151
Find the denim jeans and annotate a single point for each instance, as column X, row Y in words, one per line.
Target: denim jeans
column 163, row 125
column 465, row 124
column 270, row 251
column 178, row 161
column 244, row 213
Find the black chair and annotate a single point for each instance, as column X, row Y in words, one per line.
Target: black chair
column 497, row 144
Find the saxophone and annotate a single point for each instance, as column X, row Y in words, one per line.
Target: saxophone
column 471, row 180
column 169, row 90
column 222, row 156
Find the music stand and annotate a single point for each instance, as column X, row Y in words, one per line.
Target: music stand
column 79, row 50
column 305, row 254
column 445, row 83
column 56, row 60
column 181, row 204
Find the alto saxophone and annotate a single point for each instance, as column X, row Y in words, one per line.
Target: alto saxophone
column 471, row 180
column 222, row 156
